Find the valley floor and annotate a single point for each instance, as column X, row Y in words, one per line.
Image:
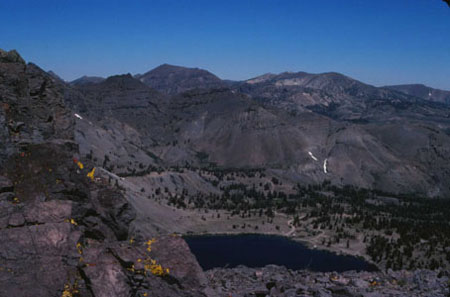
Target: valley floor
column 350, row 227
column 196, row 222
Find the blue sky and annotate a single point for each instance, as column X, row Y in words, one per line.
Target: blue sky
column 378, row 42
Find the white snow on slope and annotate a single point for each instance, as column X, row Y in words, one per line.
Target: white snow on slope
column 325, row 162
column 78, row 116
column 312, row 156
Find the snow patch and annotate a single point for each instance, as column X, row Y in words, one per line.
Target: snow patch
column 312, row 156
column 78, row 116
column 325, row 163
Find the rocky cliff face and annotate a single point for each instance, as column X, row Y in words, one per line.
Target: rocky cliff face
column 63, row 230
column 32, row 107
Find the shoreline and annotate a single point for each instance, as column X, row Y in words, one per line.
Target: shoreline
column 308, row 243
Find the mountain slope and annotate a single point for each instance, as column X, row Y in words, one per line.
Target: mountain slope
column 121, row 97
column 423, row 92
column 363, row 135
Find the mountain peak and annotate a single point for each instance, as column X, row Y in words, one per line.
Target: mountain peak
column 55, row 76
column 11, row 57
column 86, row 80
column 261, row 78
column 327, row 81
column 123, row 80
column 172, row 79
column 120, row 76
column 170, row 67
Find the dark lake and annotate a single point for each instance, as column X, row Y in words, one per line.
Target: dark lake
column 254, row 250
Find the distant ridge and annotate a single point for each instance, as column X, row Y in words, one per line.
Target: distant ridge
column 424, row 92
column 55, row 76
column 84, row 80
column 172, row 79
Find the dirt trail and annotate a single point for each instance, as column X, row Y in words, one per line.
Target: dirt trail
column 291, row 225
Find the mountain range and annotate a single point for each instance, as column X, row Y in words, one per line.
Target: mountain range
column 392, row 139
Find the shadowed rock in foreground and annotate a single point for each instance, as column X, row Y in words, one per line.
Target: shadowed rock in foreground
column 63, row 233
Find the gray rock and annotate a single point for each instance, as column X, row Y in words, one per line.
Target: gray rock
column 10, row 57
column 304, row 283
column 319, row 292
column 359, row 283
column 5, row 185
column 341, row 291
column 7, row 196
column 16, row 220
column 291, row 292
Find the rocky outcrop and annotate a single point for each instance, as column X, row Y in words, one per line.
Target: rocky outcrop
column 32, row 107
column 10, row 57
column 279, row 281
column 128, row 267
column 63, row 230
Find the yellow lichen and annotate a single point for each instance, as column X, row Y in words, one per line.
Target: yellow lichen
column 70, row 290
column 156, row 269
column 149, row 244
column 79, row 248
column 80, row 165
column 150, row 265
column 91, row 174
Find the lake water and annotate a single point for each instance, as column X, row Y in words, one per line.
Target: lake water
column 254, row 250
